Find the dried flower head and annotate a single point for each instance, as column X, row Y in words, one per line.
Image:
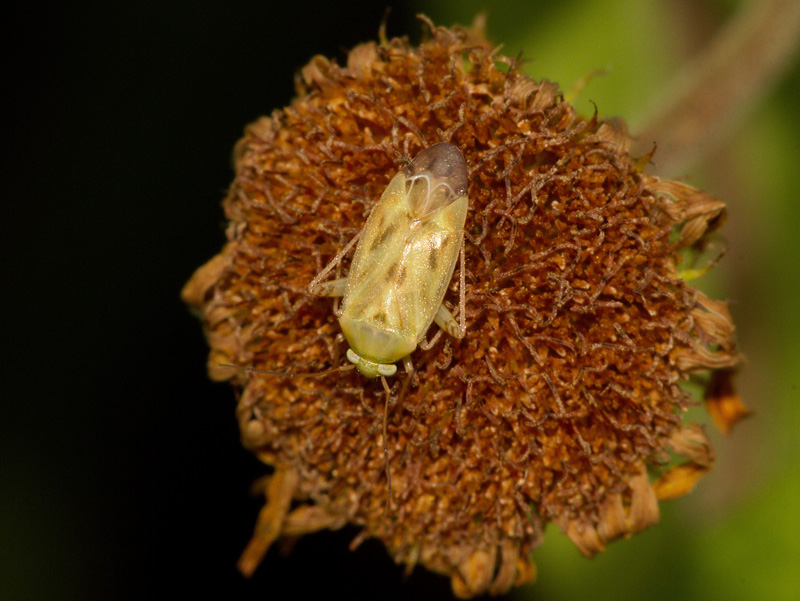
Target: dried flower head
column 563, row 403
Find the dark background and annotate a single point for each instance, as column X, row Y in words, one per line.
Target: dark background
column 122, row 472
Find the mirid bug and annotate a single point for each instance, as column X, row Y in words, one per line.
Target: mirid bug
column 403, row 264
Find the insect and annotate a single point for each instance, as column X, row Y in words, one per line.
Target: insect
column 403, row 264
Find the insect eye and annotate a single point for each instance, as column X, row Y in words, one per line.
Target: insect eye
column 387, row 369
column 352, row 356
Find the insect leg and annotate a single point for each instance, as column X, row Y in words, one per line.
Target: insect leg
column 426, row 345
column 410, row 372
column 331, row 287
column 462, row 303
column 445, row 320
column 314, row 284
column 386, row 445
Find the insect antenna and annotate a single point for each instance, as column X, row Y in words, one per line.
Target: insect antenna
column 283, row 374
column 403, row 389
column 319, row 374
column 386, row 446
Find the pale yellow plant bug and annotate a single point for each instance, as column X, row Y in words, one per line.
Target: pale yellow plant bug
column 403, row 264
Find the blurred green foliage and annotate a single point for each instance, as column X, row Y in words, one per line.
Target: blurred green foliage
column 736, row 535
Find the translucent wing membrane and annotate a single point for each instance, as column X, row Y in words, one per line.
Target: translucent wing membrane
column 442, row 163
column 434, row 179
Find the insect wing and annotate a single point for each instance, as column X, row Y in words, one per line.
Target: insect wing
column 429, row 260
column 375, row 273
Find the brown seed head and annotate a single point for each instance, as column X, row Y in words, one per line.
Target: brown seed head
column 580, row 330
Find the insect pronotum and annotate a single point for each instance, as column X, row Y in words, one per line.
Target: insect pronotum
column 402, row 267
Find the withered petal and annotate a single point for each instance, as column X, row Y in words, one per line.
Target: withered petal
column 724, row 405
